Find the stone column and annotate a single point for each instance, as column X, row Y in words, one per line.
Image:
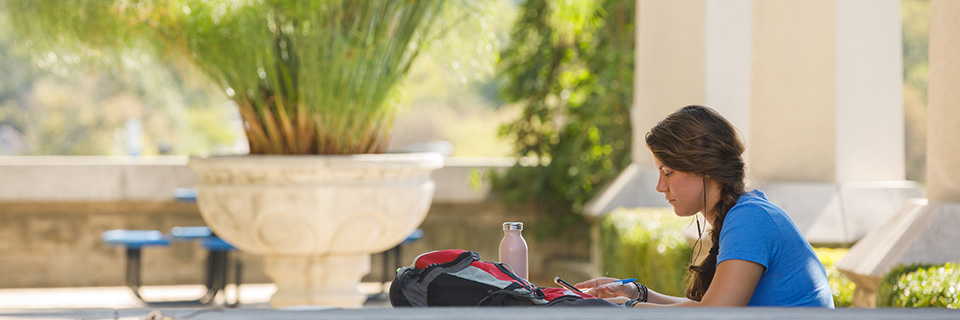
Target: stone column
column 728, row 56
column 687, row 52
column 826, row 125
column 827, row 100
column 943, row 113
column 669, row 71
column 924, row 231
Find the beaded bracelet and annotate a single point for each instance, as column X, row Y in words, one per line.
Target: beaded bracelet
column 642, row 292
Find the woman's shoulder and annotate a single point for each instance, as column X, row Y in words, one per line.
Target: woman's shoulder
column 753, row 207
column 756, row 208
column 754, row 202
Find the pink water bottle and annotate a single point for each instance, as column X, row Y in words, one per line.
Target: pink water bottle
column 513, row 249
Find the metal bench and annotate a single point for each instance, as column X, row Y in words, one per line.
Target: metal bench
column 217, row 266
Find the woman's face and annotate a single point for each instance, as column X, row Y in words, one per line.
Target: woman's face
column 683, row 190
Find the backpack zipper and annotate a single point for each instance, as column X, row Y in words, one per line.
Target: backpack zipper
column 523, row 282
column 463, row 256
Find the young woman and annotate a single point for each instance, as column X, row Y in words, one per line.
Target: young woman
column 758, row 256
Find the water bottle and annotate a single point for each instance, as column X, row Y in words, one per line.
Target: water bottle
column 513, row 249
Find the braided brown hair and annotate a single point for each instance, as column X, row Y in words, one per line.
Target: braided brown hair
column 699, row 140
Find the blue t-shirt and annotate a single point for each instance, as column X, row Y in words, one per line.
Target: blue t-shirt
column 758, row 231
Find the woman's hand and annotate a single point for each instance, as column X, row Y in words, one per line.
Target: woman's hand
column 606, row 287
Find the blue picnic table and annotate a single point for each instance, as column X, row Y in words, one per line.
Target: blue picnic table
column 219, row 258
column 217, row 266
column 219, row 262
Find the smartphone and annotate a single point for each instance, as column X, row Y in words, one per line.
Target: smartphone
column 564, row 284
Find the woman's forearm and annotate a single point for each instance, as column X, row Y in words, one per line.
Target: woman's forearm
column 659, row 298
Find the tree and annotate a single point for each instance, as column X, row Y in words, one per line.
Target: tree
column 916, row 38
column 62, row 106
column 569, row 65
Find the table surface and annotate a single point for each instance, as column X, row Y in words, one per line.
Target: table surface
column 527, row 313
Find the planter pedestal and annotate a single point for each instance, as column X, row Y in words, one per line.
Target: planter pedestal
column 315, row 219
column 326, row 281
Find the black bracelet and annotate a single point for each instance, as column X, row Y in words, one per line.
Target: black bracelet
column 642, row 292
column 630, row 303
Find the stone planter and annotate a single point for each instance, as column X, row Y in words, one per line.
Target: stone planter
column 315, row 219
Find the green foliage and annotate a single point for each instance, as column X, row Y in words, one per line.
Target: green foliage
column 921, row 286
column 647, row 244
column 569, row 65
column 887, row 292
column 916, row 42
column 842, row 287
column 915, row 15
column 308, row 76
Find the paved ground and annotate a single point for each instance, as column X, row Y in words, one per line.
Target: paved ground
column 251, row 296
column 119, row 303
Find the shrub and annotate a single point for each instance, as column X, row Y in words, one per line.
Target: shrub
column 886, row 292
column 920, row 285
column 647, row 244
column 841, row 286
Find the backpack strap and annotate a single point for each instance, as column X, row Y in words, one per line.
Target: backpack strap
column 499, row 298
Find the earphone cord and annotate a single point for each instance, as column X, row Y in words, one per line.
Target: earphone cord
column 698, row 245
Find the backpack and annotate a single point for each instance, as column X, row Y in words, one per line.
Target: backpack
column 460, row 278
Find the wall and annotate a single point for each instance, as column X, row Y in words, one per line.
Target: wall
column 53, row 211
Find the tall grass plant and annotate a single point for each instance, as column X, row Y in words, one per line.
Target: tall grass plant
column 309, row 77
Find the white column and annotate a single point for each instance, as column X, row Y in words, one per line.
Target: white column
column 728, row 53
column 925, row 231
column 869, row 106
column 669, row 67
column 826, row 134
column 943, row 112
column 793, row 122
column 827, row 91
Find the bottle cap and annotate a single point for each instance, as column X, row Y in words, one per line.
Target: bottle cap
column 509, row 226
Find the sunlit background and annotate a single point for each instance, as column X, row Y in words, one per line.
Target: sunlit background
column 553, row 88
column 60, row 105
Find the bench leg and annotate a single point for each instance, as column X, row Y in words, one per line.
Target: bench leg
column 237, row 278
column 215, row 275
column 133, row 271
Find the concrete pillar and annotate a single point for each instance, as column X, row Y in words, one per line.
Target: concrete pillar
column 826, row 126
column 728, row 51
column 924, row 231
column 688, row 52
column 827, row 102
column 943, row 112
column 793, row 124
column 669, row 70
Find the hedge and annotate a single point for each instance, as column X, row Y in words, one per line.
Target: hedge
column 646, row 244
column 921, row 285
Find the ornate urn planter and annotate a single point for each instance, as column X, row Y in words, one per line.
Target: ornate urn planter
column 315, row 219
